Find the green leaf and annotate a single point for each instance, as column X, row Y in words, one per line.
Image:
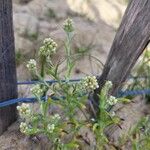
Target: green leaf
column 95, row 126
column 56, row 70
column 116, row 120
column 124, row 100
column 72, row 144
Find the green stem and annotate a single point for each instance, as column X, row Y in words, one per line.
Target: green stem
column 43, row 61
column 68, row 51
column 42, row 73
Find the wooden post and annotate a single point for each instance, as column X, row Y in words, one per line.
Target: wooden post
column 131, row 39
column 8, row 86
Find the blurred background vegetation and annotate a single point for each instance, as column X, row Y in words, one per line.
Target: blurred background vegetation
column 96, row 22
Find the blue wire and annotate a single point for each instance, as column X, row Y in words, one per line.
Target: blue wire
column 32, row 99
column 48, row 81
column 14, row 101
column 25, row 100
column 28, row 100
column 55, row 81
column 134, row 92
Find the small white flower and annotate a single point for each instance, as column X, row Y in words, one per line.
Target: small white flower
column 90, row 83
column 23, row 127
column 57, row 140
column 24, row 110
column 31, row 65
column 37, row 90
column 113, row 114
column 50, row 128
column 56, row 117
column 48, row 48
column 108, row 84
column 68, row 25
column 112, row 100
column 92, row 119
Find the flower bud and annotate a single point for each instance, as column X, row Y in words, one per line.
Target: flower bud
column 112, row 100
column 68, row 25
column 31, row 65
column 24, row 110
column 37, row 90
column 48, row 48
column 90, row 83
column 50, row 128
column 23, row 127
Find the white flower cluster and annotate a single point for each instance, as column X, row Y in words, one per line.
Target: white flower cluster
column 108, row 84
column 48, row 48
column 50, row 128
column 37, row 90
column 56, row 117
column 24, row 110
column 68, row 25
column 54, row 120
column 24, row 127
column 112, row 100
column 31, row 65
column 90, row 83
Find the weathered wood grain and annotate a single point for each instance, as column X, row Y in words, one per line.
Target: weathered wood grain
column 130, row 41
column 8, row 87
